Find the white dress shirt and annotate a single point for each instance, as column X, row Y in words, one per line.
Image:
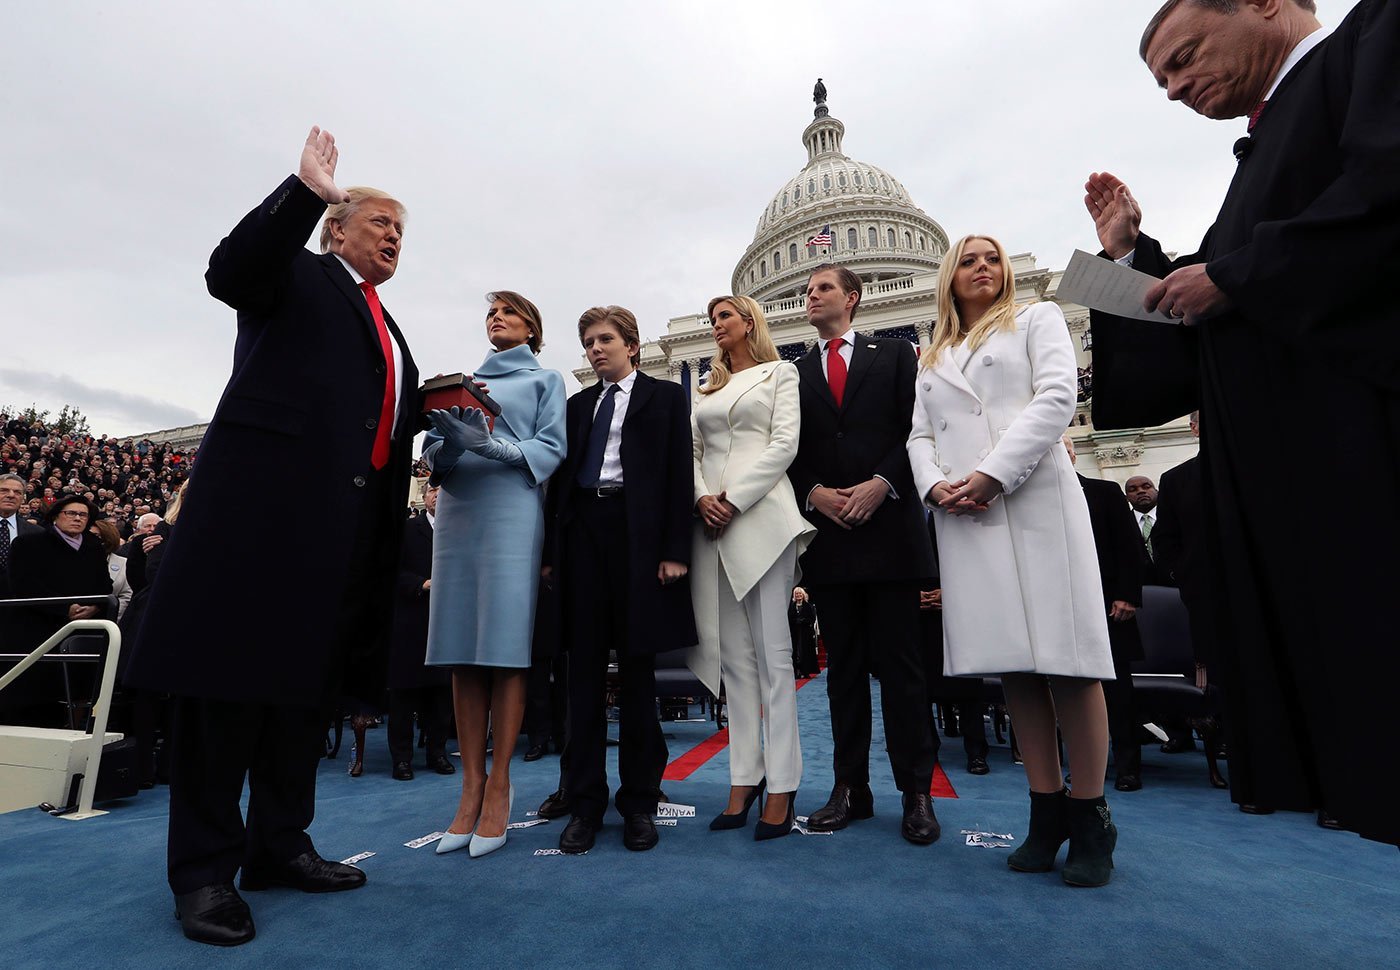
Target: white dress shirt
column 611, row 472
column 398, row 351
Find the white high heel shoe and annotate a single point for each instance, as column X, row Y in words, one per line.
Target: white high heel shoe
column 482, row 844
column 451, row 842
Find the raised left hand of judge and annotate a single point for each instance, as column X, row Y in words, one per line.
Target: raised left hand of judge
column 669, row 572
column 862, row 500
column 1188, row 294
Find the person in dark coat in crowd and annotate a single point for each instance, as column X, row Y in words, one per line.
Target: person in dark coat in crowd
column 1121, row 561
column 960, row 698
column 322, row 382
column 414, row 687
column 802, row 625
column 63, row 559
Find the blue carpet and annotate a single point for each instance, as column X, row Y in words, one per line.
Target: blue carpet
column 1196, row 883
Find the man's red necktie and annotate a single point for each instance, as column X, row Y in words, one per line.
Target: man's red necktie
column 836, row 369
column 379, row 457
column 1254, row 116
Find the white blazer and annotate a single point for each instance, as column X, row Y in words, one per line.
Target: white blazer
column 744, row 437
column 1021, row 588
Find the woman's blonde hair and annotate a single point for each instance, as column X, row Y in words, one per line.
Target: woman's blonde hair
column 172, row 511
column 760, row 341
column 949, row 331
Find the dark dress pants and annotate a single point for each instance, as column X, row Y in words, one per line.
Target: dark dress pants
column 875, row 628
column 216, row 745
column 596, row 576
column 546, row 700
column 1122, row 719
column 433, row 705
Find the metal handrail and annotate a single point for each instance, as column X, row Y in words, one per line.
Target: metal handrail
column 93, row 759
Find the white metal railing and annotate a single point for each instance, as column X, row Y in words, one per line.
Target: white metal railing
column 92, row 759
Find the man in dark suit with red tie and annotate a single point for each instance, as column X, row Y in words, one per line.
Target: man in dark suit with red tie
column 1290, row 336
column 871, row 555
column 322, row 383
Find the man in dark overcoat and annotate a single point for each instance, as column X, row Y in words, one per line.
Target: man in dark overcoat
column 1291, row 336
column 323, row 384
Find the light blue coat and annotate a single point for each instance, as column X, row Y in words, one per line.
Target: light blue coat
column 489, row 528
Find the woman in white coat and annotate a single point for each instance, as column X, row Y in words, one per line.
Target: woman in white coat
column 1021, row 593
column 745, row 427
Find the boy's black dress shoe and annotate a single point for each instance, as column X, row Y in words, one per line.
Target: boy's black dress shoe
column 578, row 836
column 920, row 825
column 977, row 765
column 1128, row 783
column 307, row 872
column 535, row 752
column 845, row 805
column 403, row 771
column 639, row 832
column 555, row 806
column 216, row 915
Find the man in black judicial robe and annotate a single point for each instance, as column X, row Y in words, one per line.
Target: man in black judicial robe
column 1292, row 336
column 319, row 371
column 871, row 555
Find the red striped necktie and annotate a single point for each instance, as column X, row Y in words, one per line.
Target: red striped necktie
column 1254, row 116
column 379, row 457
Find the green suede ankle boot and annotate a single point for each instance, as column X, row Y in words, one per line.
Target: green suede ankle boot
column 1048, row 831
column 1092, row 836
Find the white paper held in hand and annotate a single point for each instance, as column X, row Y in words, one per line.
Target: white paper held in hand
column 1102, row 284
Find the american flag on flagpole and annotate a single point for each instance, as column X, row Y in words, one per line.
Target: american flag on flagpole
column 822, row 238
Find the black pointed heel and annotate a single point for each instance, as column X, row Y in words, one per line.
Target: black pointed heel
column 724, row 820
column 767, row 830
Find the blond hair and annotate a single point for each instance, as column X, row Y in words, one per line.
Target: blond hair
column 342, row 211
column 759, row 340
column 172, row 511
column 949, row 330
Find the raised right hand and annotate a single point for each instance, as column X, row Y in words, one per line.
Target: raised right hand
column 318, row 160
column 1116, row 214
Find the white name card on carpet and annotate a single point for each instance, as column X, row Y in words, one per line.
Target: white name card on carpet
column 356, row 858
column 525, row 825
column 418, row 843
column 987, row 840
column 666, row 821
column 672, row 810
column 540, row 852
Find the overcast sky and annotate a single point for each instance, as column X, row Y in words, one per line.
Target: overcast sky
column 580, row 153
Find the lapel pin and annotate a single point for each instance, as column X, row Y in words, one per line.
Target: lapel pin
column 871, row 346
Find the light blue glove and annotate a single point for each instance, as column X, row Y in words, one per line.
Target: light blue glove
column 462, row 432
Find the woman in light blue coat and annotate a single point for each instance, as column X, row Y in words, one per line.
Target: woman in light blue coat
column 489, row 532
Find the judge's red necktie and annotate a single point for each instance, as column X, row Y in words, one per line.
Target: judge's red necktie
column 1254, row 116
column 379, row 457
column 836, row 369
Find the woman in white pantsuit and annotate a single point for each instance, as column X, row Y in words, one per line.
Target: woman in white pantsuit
column 745, row 428
column 1021, row 592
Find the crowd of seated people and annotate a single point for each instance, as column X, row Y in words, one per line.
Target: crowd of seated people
column 123, row 479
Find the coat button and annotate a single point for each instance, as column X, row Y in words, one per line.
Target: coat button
column 359, row 481
column 977, row 409
column 942, row 423
column 947, row 469
column 928, row 386
column 840, row 434
column 371, row 423
column 379, row 369
column 987, row 360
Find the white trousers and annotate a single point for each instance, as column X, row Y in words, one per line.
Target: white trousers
column 755, row 657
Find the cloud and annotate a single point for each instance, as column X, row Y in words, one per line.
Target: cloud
column 20, row 388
